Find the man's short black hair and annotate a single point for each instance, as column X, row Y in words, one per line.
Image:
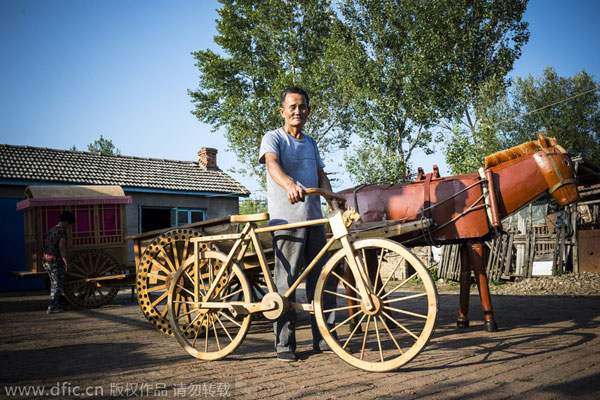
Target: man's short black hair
column 295, row 90
column 67, row 216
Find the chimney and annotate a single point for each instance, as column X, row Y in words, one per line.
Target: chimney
column 207, row 157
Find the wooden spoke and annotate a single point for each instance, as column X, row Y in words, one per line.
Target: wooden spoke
column 344, row 322
column 378, row 339
column 185, row 290
column 157, row 287
column 159, row 299
column 406, row 312
column 341, row 295
column 86, row 265
column 221, row 333
column 231, row 294
column 401, row 326
column 161, row 267
column 158, row 277
column 400, row 284
column 345, row 282
column 396, row 326
column 390, row 333
column 362, row 349
column 354, row 331
column 156, row 269
column 379, row 263
column 185, row 308
column 341, row 308
column 191, row 325
column 382, row 288
column 214, row 326
column 176, row 259
column 223, row 327
column 233, row 321
column 396, row 300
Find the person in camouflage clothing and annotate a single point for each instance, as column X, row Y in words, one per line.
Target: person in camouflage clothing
column 55, row 258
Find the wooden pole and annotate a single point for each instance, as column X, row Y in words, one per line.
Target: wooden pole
column 574, row 240
column 508, row 258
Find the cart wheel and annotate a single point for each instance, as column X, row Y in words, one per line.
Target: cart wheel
column 404, row 314
column 161, row 259
column 208, row 334
column 85, row 265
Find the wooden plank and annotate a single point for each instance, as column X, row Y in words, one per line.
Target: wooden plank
column 116, row 278
column 384, row 229
column 197, row 225
column 28, row 274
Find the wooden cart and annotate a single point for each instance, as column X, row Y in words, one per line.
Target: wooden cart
column 96, row 242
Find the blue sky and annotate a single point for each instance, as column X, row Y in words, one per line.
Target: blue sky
column 71, row 70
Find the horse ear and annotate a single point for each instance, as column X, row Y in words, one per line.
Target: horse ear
column 541, row 140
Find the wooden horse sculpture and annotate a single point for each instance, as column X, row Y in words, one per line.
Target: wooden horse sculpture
column 467, row 209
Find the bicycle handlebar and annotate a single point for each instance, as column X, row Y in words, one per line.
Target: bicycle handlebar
column 329, row 195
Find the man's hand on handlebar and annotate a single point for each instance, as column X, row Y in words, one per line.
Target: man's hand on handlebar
column 295, row 193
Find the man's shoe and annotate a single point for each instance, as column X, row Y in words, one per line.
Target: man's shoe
column 288, row 356
column 54, row 310
column 326, row 350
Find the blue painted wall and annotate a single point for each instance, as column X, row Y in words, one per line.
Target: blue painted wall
column 12, row 248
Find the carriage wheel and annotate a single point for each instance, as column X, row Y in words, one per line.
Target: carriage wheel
column 85, row 265
column 208, row 334
column 404, row 314
column 159, row 262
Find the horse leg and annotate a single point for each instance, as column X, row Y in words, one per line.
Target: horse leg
column 465, row 288
column 476, row 256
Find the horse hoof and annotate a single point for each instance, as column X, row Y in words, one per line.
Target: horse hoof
column 491, row 326
column 462, row 323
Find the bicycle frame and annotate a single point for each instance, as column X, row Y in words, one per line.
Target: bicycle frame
column 217, row 310
column 249, row 235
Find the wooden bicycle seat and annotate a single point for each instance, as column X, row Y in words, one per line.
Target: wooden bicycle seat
column 249, row 218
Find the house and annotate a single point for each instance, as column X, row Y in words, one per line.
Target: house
column 164, row 193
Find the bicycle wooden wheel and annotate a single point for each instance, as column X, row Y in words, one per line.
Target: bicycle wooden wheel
column 159, row 262
column 403, row 317
column 90, row 264
column 208, row 334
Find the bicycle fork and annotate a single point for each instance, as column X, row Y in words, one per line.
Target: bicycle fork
column 340, row 232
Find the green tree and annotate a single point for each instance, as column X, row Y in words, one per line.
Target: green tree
column 253, row 206
column 567, row 109
column 375, row 55
column 468, row 143
column 412, row 65
column 266, row 46
column 104, row 146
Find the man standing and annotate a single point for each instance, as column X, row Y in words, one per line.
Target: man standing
column 55, row 258
column 293, row 164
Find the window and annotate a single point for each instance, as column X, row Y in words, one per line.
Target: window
column 188, row 216
column 154, row 218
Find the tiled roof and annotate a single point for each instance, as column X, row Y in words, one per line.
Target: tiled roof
column 25, row 163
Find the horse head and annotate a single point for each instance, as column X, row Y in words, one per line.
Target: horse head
column 557, row 169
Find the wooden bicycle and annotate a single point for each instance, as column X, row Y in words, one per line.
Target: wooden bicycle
column 210, row 303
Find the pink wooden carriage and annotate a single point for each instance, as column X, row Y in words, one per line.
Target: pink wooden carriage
column 96, row 242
